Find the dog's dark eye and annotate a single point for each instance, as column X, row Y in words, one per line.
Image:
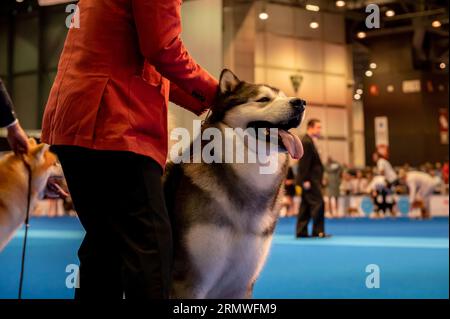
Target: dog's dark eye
column 263, row 100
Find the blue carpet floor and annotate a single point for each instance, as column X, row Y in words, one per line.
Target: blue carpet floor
column 412, row 256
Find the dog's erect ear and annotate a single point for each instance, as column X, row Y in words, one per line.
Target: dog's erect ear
column 31, row 142
column 40, row 150
column 228, row 81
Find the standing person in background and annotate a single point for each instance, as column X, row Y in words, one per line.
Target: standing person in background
column 345, row 190
column 438, row 169
column 289, row 194
column 17, row 139
column 361, row 183
column 333, row 178
column 385, row 168
column 445, row 172
column 309, row 178
column 437, row 177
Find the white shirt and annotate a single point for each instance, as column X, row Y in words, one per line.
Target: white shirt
column 378, row 183
column 420, row 183
column 385, row 168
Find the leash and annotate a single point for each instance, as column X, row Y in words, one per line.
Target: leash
column 27, row 225
column 208, row 114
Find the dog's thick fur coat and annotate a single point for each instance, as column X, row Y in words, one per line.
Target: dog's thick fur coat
column 224, row 214
column 14, row 186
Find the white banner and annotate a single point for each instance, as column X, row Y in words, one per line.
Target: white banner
column 381, row 131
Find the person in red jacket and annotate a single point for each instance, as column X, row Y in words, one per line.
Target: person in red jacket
column 106, row 118
column 445, row 169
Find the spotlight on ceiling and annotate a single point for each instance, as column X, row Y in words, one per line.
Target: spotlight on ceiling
column 369, row 73
column 361, row 35
column 442, row 66
column 436, row 24
column 311, row 7
column 340, row 4
column 390, row 13
column 263, row 16
column 359, row 91
column 314, row 25
column 357, row 96
column 373, row 65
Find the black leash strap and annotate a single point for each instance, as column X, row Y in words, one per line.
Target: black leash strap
column 27, row 225
column 206, row 117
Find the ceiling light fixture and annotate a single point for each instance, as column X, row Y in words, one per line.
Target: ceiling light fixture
column 361, row 35
column 263, row 16
column 390, row 13
column 311, row 7
column 436, row 24
column 314, row 25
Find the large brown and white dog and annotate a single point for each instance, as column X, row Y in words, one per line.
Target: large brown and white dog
column 224, row 214
column 14, row 186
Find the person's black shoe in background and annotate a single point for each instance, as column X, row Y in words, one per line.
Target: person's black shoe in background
column 302, row 236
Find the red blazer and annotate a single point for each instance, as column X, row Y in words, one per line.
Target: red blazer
column 116, row 75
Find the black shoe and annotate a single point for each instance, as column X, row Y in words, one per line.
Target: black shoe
column 303, row 236
column 322, row 235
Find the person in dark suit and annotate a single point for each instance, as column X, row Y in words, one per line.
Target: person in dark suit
column 17, row 138
column 309, row 178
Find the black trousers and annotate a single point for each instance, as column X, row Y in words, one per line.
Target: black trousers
column 311, row 207
column 128, row 243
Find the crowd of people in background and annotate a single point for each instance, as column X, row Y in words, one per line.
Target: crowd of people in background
column 341, row 182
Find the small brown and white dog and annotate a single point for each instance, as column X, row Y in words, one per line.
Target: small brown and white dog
column 14, row 186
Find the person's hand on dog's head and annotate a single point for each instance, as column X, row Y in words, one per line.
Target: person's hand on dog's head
column 17, row 139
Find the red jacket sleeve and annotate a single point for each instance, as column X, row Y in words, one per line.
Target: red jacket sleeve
column 186, row 101
column 158, row 24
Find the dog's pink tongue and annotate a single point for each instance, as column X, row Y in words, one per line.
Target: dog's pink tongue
column 292, row 143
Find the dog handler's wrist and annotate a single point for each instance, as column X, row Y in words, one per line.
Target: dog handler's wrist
column 13, row 126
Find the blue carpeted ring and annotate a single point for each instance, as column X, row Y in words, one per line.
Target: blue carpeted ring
column 412, row 256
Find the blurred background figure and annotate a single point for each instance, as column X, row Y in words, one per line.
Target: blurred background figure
column 288, row 208
column 435, row 173
column 332, row 181
column 445, row 171
column 420, row 186
column 382, row 197
column 385, row 168
column 309, row 178
column 359, row 183
column 345, row 190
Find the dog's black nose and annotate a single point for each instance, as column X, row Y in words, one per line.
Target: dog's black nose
column 298, row 104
